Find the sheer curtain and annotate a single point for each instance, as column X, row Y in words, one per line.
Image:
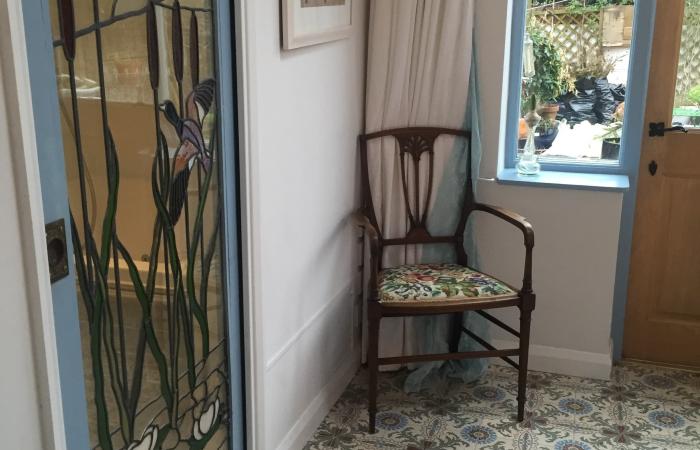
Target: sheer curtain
column 419, row 62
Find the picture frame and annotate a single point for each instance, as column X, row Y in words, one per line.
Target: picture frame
column 312, row 22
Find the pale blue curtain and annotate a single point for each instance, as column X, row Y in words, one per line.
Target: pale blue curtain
column 443, row 219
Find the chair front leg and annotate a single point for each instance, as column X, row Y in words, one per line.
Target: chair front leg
column 374, row 316
column 525, row 318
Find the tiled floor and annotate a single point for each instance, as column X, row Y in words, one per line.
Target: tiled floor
column 642, row 407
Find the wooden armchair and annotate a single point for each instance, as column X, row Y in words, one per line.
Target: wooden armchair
column 419, row 290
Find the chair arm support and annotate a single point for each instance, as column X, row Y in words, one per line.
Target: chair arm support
column 362, row 221
column 529, row 236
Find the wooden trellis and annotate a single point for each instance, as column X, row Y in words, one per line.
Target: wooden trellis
column 689, row 62
column 579, row 34
column 575, row 34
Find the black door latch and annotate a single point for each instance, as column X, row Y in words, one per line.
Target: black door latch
column 658, row 129
column 653, row 167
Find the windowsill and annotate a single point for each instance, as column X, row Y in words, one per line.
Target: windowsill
column 567, row 180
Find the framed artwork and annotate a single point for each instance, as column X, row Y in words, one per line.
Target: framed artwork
column 311, row 22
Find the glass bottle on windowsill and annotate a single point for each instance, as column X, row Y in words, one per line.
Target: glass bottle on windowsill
column 528, row 165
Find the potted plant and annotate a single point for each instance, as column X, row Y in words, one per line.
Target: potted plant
column 546, row 132
column 611, row 141
column 547, row 83
column 613, row 135
column 692, row 112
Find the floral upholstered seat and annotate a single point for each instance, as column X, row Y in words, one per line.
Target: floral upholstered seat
column 438, row 283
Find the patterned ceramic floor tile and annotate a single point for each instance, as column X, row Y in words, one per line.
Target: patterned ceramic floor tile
column 641, row 407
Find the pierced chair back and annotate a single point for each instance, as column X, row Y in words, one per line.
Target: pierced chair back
column 416, row 149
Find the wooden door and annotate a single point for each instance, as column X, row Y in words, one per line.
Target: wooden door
column 663, row 310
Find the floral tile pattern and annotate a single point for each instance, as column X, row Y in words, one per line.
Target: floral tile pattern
column 641, row 407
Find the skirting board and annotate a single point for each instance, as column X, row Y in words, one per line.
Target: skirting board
column 312, row 417
column 563, row 361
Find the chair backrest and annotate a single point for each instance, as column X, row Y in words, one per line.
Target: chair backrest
column 416, row 147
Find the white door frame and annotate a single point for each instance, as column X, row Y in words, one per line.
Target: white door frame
column 22, row 142
column 244, row 11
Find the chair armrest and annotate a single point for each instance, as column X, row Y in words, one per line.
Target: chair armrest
column 529, row 235
column 511, row 217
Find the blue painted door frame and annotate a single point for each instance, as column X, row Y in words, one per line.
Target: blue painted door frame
column 42, row 72
column 54, row 191
column 225, row 58
column 635, row 111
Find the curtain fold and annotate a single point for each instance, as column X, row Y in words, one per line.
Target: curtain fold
column 432, row 332
column 419, row 66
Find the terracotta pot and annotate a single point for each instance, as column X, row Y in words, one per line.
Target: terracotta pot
column 523, row 129
column 548, row 111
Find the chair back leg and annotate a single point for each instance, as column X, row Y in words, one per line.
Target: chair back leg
column 373, row 363
column 455, row 331
column 525, row 317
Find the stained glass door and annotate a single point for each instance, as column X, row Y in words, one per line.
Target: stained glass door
column 138, row 95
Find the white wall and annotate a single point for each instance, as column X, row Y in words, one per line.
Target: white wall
column 307, row 114
column 576, row 231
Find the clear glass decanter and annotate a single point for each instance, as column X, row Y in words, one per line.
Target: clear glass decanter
column 528, row 165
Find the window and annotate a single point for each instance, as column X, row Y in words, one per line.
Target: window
column 686, row 105
column 571, row 59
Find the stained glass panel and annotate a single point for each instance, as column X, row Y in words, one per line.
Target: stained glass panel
column 138, row 111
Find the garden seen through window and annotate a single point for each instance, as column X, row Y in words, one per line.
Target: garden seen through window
column 576, row 57
column 686, row 105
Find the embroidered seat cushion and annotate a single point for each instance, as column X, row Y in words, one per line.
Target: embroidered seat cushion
column 438, row 283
